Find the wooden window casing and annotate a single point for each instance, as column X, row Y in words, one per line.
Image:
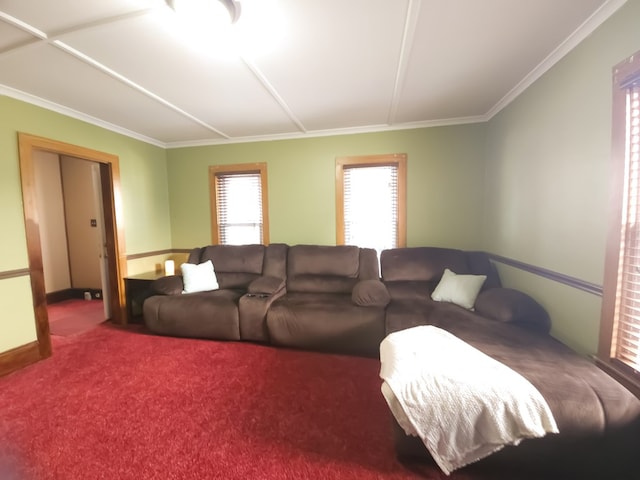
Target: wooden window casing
column 619, row 342
column 221, row 176
column 397, row 205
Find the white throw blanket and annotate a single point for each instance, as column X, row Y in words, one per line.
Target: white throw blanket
column 463, row 404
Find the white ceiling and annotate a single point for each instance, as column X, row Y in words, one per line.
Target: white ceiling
column 289, row 68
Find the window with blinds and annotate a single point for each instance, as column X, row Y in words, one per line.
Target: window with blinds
column 619, row 347
column 627, row 328
column 370, row 201
column 239, row 204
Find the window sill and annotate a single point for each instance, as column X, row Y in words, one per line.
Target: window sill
column 621, row 374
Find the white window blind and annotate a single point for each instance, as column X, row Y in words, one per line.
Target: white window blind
column 239, row 205
column 626, row 335
column 371, row 206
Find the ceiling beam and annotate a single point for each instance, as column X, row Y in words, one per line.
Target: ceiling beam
column 410, row 25
column 130, row 83
column 273, row 92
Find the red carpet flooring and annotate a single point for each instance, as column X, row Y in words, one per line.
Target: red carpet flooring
column 73, row 317
column 116, row 403
column 119, row 404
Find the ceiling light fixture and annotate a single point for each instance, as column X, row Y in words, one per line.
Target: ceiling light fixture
column 216, row 11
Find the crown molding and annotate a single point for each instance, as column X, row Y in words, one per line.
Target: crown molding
column 584, row 30
column 332, row 132
column 69, row 112
column 48, row 105
column 572, row 41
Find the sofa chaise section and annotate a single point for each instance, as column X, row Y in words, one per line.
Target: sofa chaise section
column 598, row 419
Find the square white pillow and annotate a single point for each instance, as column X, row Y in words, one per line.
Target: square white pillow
column 459, row 289
column 199, row 278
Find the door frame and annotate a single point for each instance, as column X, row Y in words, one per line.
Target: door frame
column 114, row 227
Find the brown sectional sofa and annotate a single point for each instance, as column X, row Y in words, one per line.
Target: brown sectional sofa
column 598, row 419
column 334, row 299
column 326, row 298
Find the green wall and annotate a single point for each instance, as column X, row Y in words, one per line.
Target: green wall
column 531, row 184
column 547, row 179
column 444, row 185
column 145, row 200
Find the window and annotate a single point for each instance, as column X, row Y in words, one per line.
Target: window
column 619, row 349
column 370, row 201
column 239, row 211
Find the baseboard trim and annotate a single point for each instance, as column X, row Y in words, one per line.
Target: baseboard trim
column 19, row 357
column 60, row 296
column 72, row 294
column 550, row 274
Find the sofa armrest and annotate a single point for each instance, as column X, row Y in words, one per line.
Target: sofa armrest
column 169, row 285
column 370, row 293
column 253, row 309
column 265, row 286
column 513, row 306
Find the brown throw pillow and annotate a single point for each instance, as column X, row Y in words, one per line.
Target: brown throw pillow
column 513, row 306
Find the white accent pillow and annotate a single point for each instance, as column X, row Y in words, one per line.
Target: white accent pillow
column 199, row 278
column 459, row 289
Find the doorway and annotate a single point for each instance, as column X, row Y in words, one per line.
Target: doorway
column 109, row 189
column 72, row 240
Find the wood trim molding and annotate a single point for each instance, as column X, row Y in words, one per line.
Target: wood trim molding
column 117, row 263
column 169, row 251
column 550, row 274
column 624, row 72
column 14, row 273
column 19, row 357
column 214, row 170
column 396, row 159
column 136, row 256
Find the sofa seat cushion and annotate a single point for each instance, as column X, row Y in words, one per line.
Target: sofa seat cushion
column 212, row 315
column 407, row 314
column 325, row 322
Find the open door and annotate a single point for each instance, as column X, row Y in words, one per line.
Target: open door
column 102, row 238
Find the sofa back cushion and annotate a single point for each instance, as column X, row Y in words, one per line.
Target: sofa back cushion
column 413, row 273
column 421, row 264
column 275, row 260
column 236, row 266
column 322, row 269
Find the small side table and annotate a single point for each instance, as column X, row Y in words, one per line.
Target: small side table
column 137, row 289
